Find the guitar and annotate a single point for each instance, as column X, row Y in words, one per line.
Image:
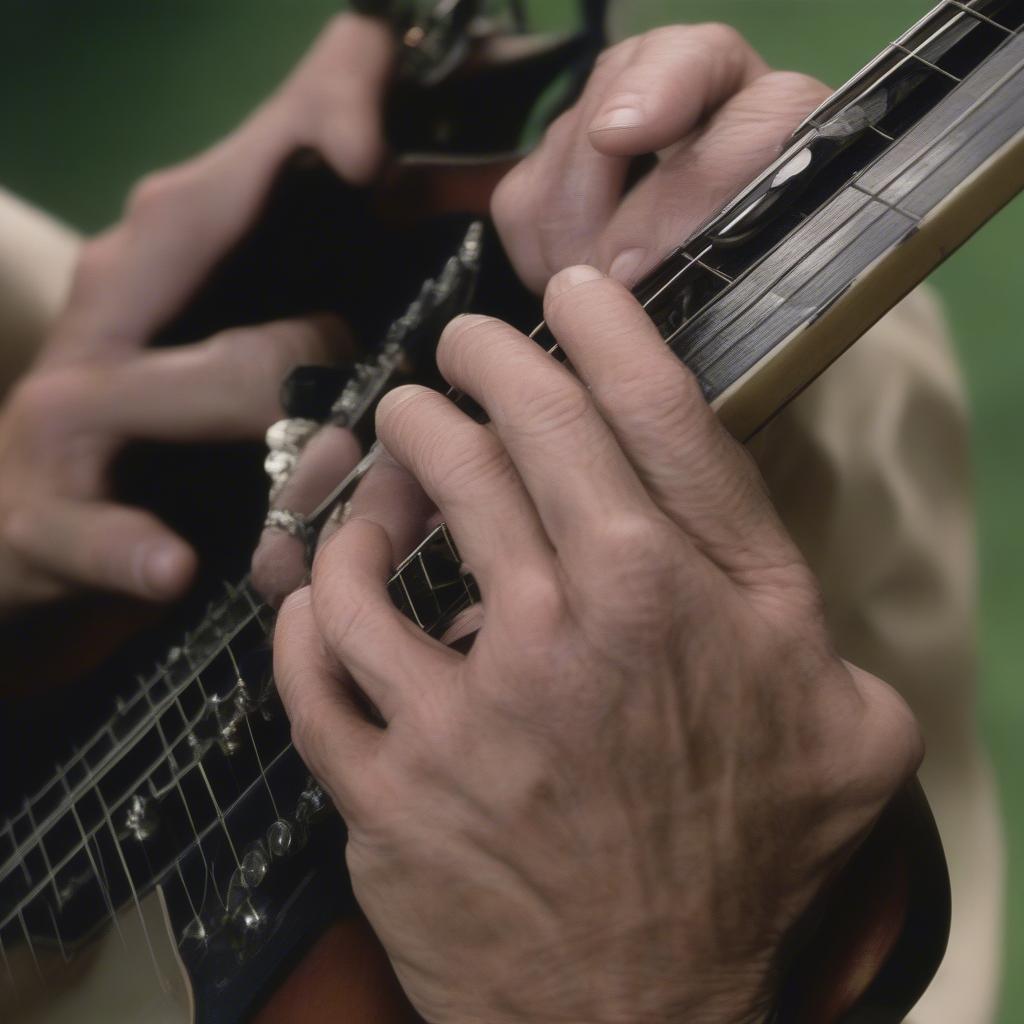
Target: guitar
column 184, row 841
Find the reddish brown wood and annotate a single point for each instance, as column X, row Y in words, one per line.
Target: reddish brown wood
column 345, row 978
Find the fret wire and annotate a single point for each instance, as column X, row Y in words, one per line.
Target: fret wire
column 408, row 597
column 885, row 202
column 42, row 850
column 675, row 277
column 927, row 63
column 255, row 607
column 177, row 775
column 100, row 880
column 131, row 884
column 57, row 936
column 252, row 735
column 263, row 773
column 188, row 895
column 220, row 815
column 971, row 12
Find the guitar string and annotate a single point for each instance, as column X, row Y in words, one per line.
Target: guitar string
column 177, row 776
column 1011, row 32
column 963, row 12
column 103, row 886
column 131, row 887
column 252, row 736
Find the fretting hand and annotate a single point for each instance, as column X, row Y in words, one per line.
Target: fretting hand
column 617, row 805
column 697, row 94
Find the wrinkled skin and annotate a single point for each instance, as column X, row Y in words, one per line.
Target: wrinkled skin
column 651, row 760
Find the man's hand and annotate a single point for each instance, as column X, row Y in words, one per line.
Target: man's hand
column 617, row 805
column 95, row 387
column 699, row 97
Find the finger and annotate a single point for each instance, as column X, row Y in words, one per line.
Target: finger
column 180, row 222
column 550, row 209
column 224, row 389
column 694, row 470
column 102, row 546
column 279, row 562
column 676, row 77
column 339, row 92
column 391, row 659
column 574, row 470
column 329, row 729
column 468, row 474
column 391, row 497
column 739, row 141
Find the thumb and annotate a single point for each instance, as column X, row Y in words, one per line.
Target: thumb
column 102, row 546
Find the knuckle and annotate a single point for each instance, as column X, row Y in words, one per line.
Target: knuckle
column 719, row 36
column 153, row 193
column 793, row 88
column 474, row 461
column 509, row 201
column 537, row 604
column 463, row 336
column 400, row 423
column 556, row 406
column 635, row 540
column 96, row 259
column 42, row 401
column 309, row 739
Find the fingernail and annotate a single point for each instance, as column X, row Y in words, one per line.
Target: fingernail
column 627, row 266
column 162, row 570
column 567, row 279
column 617, row 119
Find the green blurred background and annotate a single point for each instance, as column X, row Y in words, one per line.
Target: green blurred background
column 92, row 95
